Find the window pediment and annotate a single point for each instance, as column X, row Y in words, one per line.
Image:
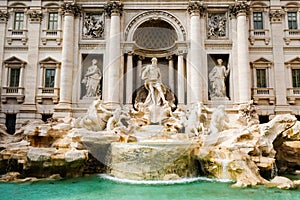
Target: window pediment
column 14, row 60
column 295, row 61
column 261, row 62
column 49, row 61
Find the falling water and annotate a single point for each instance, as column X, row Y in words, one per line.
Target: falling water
column 224, row 160
column 274, row 170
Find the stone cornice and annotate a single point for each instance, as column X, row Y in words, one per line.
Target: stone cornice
column 276, row 15
column 113, row 8
column 71, row 8
column 196, row 7
column 239, row 7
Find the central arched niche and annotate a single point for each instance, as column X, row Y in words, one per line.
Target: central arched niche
column 155, row 35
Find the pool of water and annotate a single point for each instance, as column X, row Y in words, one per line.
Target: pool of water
column 105, row 188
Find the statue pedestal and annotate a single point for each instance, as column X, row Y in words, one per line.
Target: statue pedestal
column 219, row 99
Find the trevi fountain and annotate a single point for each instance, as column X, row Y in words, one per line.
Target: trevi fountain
column 136, row 152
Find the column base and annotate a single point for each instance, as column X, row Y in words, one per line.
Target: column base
column 112, row 105
column 282, row 109
column 28, row 112
column 63, row 110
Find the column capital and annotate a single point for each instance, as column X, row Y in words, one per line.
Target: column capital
column 239, row 8
column 71, row 8
column 276, row 15
column 196, row 8
column 35, row 16
column 169, row 57
column 141, row 58
column 113, row 8
column 3, row 16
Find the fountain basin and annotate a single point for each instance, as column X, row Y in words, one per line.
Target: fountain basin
column 153, row 160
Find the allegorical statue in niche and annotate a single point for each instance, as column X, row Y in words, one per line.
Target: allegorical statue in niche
column 152, row 78
column 217, row 78
column 92, row 80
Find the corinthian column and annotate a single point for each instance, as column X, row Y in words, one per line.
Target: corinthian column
column 240, row 10
column 114, row 10
column 70, row 10
column 194, row 79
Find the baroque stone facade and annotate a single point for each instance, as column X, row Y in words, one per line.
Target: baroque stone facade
column 47, row 47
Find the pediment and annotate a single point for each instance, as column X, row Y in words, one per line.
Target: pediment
column 258, row 5
column 294, row 61
column 49, row 60
column 261, row 61
column 14, row 60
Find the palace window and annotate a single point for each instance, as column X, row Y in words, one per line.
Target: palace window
column 292, row 20
column 296, row 78
column 53, row 21
column 19, row 21
column 49, row 78
column 49, row 83
column 258, row 21
column 261, row 78
column 262, row 90
column 14, row 77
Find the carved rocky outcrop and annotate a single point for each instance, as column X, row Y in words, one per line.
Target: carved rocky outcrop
column 247, row 154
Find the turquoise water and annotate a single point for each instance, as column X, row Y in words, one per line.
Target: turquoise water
column 96, row 187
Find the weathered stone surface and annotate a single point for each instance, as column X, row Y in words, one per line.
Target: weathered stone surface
column 10, row 176
column 150, row 161
column 40, row 154
column 240, row 154
column 281, row 182
column 288, row 156
column 76, row 155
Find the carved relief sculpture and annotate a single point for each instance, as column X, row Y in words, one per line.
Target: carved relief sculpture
column 92, row 80
column 216, row 26
column 93, row 26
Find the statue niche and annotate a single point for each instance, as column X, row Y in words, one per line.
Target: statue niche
column 153, row 92
column 91, row 78
column 218, row 72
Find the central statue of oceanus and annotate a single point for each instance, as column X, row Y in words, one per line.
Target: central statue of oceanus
column 150, row 74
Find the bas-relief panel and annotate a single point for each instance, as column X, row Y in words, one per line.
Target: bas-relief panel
column 93, row 26
column 216, row 26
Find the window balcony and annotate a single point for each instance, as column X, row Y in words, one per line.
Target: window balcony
column 12, row 93
column 259, row 35
column 17, row 36
column 293, row 94
column 51, row 36
column 263, row 94
column 291, row 34
column 48, row 93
